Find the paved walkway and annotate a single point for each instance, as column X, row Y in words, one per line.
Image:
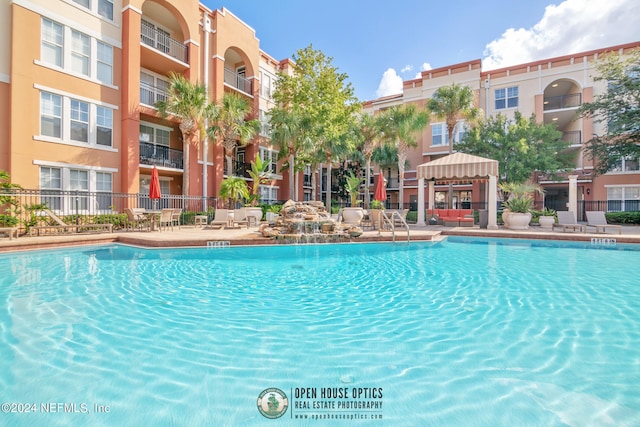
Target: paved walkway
column 199, row 236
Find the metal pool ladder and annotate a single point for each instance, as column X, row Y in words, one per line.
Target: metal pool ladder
column 390, row 221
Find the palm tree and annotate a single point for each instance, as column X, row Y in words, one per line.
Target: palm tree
column 451, row 103
column 231, row 125
column 401, row 124
column 371, row 133
column 187, row 102
column 287, row 130
column 259, row 173
column 234, row 189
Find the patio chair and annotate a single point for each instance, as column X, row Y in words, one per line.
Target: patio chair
column 240, row 218
column 166, row 218
column 597, row 220
column 220, row 218
column 136, row 219
column 402, row 219
column 175, row 217
column 567, row 221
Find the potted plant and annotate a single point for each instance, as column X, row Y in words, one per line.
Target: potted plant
column 375, row 212
column 353, row 214
column 234, row 189
column 517, row 207
column 547, row 218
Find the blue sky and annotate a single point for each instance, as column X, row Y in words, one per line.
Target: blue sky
column 378, row 44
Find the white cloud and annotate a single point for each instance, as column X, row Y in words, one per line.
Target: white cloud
column 426, row 66
column 390, row 84
column 570, row 27
column 406, row 68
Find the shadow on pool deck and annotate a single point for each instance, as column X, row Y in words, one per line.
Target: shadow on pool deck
column 198, row 236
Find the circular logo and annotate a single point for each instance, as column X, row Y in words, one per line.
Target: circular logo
column 272, row 403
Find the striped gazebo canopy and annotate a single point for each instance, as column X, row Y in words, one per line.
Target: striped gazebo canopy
column 458, row 166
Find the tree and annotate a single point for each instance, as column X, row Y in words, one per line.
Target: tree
column 287, row 133
column 325, row 103
column 401, row 124
column 187, row 102
column 619, row 109
column 370, row 130
column 452, row 103
column 231, row 125
column 259, row 173
column 234, row 189
column 521, row 146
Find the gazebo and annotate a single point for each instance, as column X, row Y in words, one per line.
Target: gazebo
column 459, row 167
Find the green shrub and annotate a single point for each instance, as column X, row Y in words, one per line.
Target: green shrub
column 412, row 216
column 8, row 220
column 623, row 217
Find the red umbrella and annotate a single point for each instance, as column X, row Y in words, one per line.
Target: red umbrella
column 154, row 188
column 381, row 191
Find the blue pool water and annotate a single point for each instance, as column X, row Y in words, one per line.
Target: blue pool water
column 465, row 332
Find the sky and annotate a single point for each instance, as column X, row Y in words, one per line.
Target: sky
column 378, row 44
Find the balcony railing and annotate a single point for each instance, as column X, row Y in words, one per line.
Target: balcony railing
column 159, row 155
column 237, row 81
column 241, row 169
column 573, row 137
column 306, row 182
column 160, row 41
column 563, row 101
column 149, row 95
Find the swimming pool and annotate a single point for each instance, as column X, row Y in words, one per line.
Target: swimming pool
column 473, row 332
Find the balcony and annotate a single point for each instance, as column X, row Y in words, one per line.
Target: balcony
column 306, row 181
column 238, row 81
column 149, row 94
column 573, row 137
column 161, row 41
column 159, row 155
column 241, row 169
column 561, row 102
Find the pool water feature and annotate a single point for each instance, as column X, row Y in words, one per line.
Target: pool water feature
column 474, row 332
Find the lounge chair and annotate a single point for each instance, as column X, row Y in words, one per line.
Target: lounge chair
column 175, row 217
column 567, row 221
column 240, row 218
column 597, row 220
column 60, row 226
column 401, row 219
column 220, row 218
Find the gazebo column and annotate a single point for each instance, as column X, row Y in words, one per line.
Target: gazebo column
column 492, row 223
column 421, row 222
column 573, row 194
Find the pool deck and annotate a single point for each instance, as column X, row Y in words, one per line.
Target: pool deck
column 190, row 236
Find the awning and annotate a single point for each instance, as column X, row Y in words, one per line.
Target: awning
column 458, row 166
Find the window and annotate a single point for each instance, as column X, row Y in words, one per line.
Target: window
column 104, row 71
column 439, row 135
column 153, row 88
column 154, row 135
column 67, row 119
column 268, row 194
column 265, row 128
column 52, row 42
column 506, row 98
column 104, row 122
column 265, row 85
column 104, row 186
column 626, row 164
column 51, row 179
column 271, row 157
column 76, row 52
column 79, row 182
column 50, row 115
column 623, row 198
column 79, row 121
column 105, row 7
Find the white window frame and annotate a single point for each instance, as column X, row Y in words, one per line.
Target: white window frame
column 458, row 133
column 268, row 194
column 52, row 111
column 265, row 127
column 70, row 56
column 156, row 85
column 49, row 42
column 623, row 165
column 623, row 189
column 103, row 8
column 67, row 117
column 271, row 156
column 509, row 95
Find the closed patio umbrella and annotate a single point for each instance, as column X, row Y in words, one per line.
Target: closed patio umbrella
column 154, row 187
column 381, row 191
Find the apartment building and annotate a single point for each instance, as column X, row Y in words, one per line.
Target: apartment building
column 553, row 89
column 79, row 81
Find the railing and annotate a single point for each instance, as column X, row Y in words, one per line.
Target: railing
column 161, row 41
column 159, row 155
column 87, row 207
column 573, row 137
column 563, row 101
column 235, row 80
column 149, row 94
column 306, row 182
column 241, row 169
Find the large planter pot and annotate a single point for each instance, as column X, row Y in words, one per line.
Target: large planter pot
column 376, row 217
column 352, row 215
column 505, row 217
column 519, row 220
column 546, row 222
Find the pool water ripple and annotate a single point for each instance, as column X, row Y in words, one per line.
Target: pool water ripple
column 452, row 333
